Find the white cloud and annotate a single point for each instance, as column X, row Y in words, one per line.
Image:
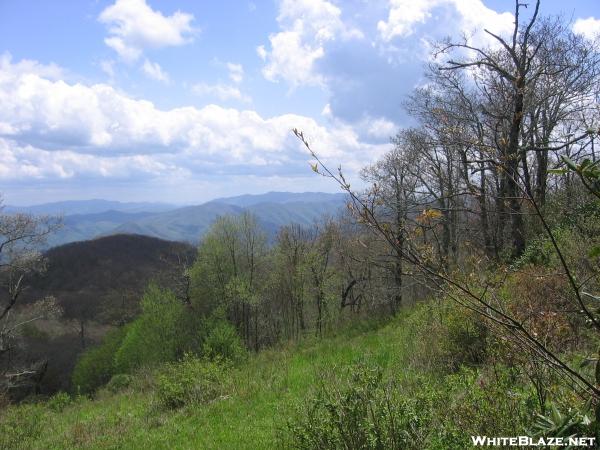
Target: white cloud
column 307, row 26
column 51, row 129
column 405, row 15
column 236, row 72
column 18, row 162
column 261, row 52
column 221, row 91
column 133, row 26
column 154, row 71
column 381, row 128
column 588, row 28
column 27, row 66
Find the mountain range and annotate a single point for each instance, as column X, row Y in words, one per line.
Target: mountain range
column 88, row 219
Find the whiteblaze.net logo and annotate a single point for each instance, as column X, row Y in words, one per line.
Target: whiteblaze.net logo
column 527, row 441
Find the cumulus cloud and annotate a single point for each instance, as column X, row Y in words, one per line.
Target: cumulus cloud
column 405, row 15
column 588, row 28
column 26, row 162
column 306, row 27
column 380, row 128
column 468, row 16
column 28, row 66
column 154, row 71
column 133, row 26
column 54, row 129
column 369, row 73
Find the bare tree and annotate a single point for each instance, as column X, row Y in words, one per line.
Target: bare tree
column 21, row 236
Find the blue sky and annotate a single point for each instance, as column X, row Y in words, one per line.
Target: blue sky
column 184, row 101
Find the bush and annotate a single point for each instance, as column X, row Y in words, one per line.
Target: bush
column 492, row 404
column 162, row 332
column 59, row 401
column 97, row 365
column 192, row 381
column 364, row 413
column 448, row 336
column 119, row 382
column 465, row 338
column 223, row 342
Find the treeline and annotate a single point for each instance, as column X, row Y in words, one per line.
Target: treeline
column 243, row 293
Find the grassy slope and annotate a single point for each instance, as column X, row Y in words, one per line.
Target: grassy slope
column 267, row 388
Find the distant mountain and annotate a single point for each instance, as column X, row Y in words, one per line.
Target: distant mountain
column 80, row 227
column 184, row 224
column 281, row 197
column 85, row 220
column 95, row 206
column 189, row 224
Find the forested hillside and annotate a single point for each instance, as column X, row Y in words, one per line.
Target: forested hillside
column 93, row 286
column 456, row 295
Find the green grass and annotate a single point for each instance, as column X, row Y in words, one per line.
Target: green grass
column 266, row 391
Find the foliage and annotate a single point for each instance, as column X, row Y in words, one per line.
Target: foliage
column 161, row 333
column 367, row 412
column 59, row 401
column 562, row 424
column 448, row 337
column 96, row 366
column 494, row 402
column 463, row 338
column 191, row 381
column 119, row 382
column 363, row 413
column 223, row 342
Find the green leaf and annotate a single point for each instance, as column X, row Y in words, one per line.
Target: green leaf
column 570, row 163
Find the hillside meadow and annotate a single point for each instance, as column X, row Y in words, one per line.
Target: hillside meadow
column 371, row 385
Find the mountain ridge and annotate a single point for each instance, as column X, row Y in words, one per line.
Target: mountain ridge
column 184, row 223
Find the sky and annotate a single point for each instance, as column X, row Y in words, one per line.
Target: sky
column 182, row 101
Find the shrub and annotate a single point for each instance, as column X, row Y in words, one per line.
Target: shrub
column 192, row 381
column 161, row 333
column 119, row 382
column 492, row 404
column 465, row 337
column 97, row 365
column 59, row 401
column 363, row 413
column 223, row 342
column 448, row 336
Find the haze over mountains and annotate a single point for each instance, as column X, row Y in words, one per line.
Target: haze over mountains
column 88, row 219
